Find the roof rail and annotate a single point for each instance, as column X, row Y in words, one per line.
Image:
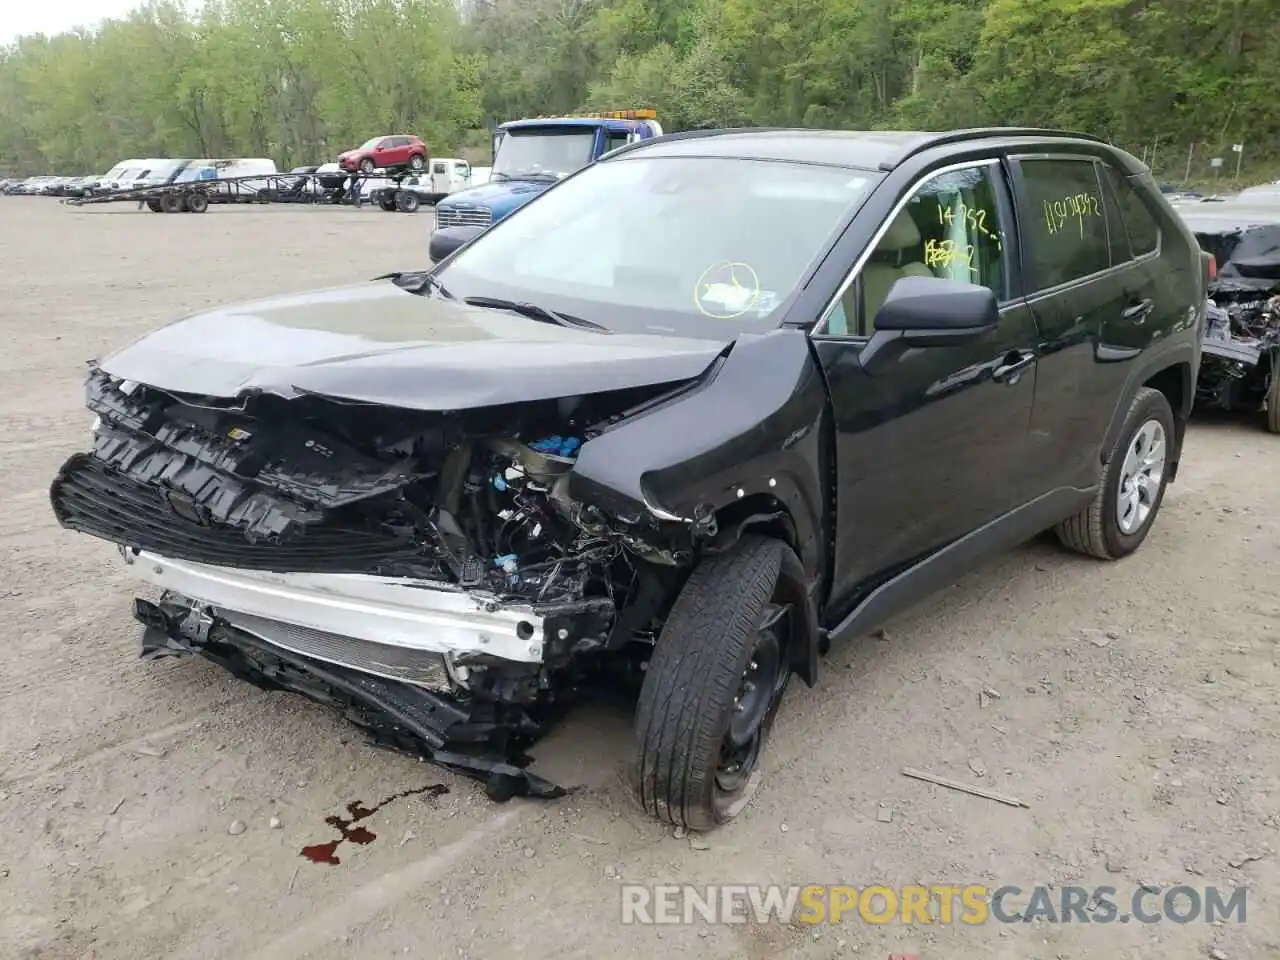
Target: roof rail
column 928, row 141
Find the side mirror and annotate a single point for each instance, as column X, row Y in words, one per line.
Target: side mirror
column 929, row 312
column 448, row 239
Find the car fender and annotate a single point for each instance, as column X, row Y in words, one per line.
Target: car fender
column 1182, row 352
column 745, row 441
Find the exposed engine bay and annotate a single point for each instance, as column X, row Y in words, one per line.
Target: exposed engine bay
column 428, row 572
column 1241, row 344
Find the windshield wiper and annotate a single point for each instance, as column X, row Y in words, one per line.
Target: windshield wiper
column 499, row 176
column 535, row 312
column 417, row 282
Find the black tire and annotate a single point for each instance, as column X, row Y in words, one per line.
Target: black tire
column 1095, row 531
column 408, row 201
column 367, row 166
column 1273, row 394
column 417, row 161
column 689, row 699
column 197, row 203
column 171, row 203
column 387, row 201
column 154, row 206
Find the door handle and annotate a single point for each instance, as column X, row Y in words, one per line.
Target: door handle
column 1011, row 366
column 1137, row 310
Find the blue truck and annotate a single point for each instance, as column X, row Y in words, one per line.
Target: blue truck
column 531, row 155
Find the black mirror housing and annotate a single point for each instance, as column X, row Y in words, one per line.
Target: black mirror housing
column 448, row 239
column 929, row 310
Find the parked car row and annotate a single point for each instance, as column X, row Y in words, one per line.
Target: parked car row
column 44, row 186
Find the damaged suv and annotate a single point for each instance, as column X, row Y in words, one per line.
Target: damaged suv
column 697, row 412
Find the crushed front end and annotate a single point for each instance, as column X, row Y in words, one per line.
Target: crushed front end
column 425, row 572
column 1241, row 343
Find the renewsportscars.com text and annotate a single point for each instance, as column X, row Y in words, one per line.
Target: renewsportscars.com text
column 972, row 904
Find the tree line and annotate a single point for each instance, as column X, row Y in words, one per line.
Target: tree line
column 301, row 80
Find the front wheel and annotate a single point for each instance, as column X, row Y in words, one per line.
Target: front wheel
column 417, row 161
column 366, row 166
column 1132, row 484
column 713, row 686
column 1273, row 394
column 408, row 201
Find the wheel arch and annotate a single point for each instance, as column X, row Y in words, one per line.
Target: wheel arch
column 1171, row 372
column 764, row 515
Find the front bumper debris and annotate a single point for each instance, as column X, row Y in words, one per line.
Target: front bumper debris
column 391, row 611
column 479, row 739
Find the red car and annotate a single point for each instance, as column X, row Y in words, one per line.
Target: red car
column 397, row 150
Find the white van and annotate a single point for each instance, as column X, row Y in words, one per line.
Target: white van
column 161, row 172
column 123, row 174
column 448, row 174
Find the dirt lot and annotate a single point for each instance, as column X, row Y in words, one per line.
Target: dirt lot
column 1136, row 711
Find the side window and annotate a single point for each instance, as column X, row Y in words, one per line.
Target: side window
column 949, row 228
column 616, row 139
column 1139, row 222
column 1067, row 226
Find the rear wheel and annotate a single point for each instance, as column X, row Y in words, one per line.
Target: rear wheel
column 417, row 161
column 387, row 201
column 154, row 206
column 1132, row 484
column 712, row 688
column 408, row 201
column 171, row 203
column 1273, row 394
column 197, row 203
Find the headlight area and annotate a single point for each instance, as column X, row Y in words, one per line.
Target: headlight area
column 429, row 574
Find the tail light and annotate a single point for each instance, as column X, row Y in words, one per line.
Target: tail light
column 1213, row 266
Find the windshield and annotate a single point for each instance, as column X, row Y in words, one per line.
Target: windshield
column 693, row 246
column 370, row 144
column 543, row 152
column 196, row 170
column 113, row 172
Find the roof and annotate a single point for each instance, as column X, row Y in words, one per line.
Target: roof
column 1230, row 214
column 865, row 149
column 611, row 123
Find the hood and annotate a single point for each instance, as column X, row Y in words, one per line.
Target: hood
column 378, row 343
column 498, row 193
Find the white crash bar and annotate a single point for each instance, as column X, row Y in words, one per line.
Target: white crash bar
column 397, row 611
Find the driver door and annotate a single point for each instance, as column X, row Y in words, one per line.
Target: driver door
column 936, row 444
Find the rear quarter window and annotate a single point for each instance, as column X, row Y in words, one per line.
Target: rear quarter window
column 1066, row 221
column 1139, row 222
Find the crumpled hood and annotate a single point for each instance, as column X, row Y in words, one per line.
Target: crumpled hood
column 378, row 343
column 498, row 191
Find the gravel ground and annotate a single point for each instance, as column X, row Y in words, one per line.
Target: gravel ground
column 158, row 810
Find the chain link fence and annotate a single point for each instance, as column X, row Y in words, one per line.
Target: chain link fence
column 1226, row 166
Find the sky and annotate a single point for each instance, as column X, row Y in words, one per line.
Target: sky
column 55, row 16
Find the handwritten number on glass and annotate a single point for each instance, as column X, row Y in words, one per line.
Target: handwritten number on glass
column 1078, row 207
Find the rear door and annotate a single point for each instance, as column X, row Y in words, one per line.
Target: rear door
column 1092, row 300
column 936, row 446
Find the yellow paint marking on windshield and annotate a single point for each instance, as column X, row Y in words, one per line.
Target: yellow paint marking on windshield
column 1077, row 206
column 729, row 284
